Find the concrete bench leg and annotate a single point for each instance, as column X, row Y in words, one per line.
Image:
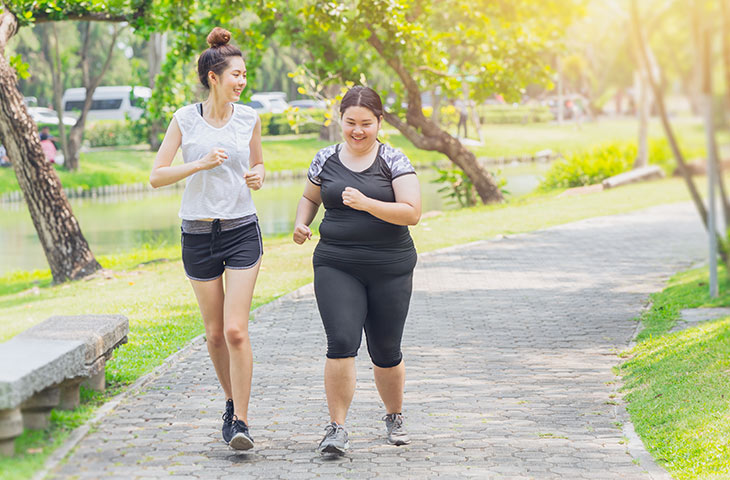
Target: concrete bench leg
column 37, row 409
column 11, row 425
column 70, row 394
column 96, row 382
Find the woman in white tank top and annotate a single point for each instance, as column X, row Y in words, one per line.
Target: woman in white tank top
column 223, row 163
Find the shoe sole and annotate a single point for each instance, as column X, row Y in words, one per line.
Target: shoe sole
column 333, row 450
column 241, row 442
column 398, row 442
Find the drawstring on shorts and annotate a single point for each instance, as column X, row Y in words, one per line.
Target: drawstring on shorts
column 215, row 235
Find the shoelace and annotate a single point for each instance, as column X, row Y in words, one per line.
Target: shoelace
column 228, row 417
column 332, row 429
column 241, row 424
column 396, row 419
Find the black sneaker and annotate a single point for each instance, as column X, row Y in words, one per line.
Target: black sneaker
column 335, row 440
column 240, row 438
column 397, row 434
column 228, row 421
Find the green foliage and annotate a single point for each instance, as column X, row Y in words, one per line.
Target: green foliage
column 21, row 68
column 288, row 123
column 677, row 384
column 191, row 22
column 589, row 167
column 458, row 187
column 113, row 134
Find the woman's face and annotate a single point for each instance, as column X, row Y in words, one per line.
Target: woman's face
column 360, row 128
column 231, row 82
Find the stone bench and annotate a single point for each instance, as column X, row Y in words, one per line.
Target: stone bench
column 651, row 172
column 44, row 366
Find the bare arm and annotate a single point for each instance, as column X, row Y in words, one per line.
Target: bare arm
column 406, row 210
column 256, row 172
column 306, row 211
column 164, row 174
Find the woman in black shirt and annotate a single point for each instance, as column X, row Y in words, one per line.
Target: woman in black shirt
column 364, row 261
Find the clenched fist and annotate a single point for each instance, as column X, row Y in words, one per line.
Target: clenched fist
column 302, row 233
column 253, row 180
column 354, row 198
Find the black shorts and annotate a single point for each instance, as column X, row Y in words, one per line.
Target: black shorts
column 206, row 255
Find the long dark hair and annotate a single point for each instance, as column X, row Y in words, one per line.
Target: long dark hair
column 215, row 58
column 360, row 96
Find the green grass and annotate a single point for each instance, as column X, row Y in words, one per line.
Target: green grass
column 131, row 165
column 677, row 385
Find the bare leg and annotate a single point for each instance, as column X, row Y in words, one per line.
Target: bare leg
column 237, row 306
column 391, row 382
column 339, row 384
column 210, row 301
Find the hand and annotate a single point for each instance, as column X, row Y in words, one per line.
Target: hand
column 354, row 198
column 253, row 180
column 215, row 158
column 302, row 233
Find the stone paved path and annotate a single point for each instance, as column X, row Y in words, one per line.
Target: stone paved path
column 509, row 348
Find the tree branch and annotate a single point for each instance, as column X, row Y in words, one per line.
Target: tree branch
column 96, row 81
column 8, row 28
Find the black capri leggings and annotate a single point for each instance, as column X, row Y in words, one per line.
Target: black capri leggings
column 353, row 296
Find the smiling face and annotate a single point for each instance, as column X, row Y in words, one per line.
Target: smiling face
column 360, row 128
column 231, row 82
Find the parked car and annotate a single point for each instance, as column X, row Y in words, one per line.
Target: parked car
column 307, row 104
column 30, row 101
column 268, row 102
column 108, row 103
column 46, row 116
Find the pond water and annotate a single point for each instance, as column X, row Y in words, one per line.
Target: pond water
column 115, row 224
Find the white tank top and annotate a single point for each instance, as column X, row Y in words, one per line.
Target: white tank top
column 220, row 192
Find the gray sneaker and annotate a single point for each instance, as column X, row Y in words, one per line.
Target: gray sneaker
column 335, row 440
column 397, row 434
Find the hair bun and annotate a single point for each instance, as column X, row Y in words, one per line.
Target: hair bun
column 218, row 37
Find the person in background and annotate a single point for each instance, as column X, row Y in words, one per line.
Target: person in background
column 49, row 148
column 4, row 159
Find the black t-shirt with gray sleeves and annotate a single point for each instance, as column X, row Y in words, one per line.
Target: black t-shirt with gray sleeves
column 352, row 235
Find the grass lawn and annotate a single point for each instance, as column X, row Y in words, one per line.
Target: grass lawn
column 677, row 385
column 132, row 165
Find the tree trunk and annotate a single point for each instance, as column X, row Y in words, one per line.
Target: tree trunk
column 671, row 138
column 157, row 53
column 76, row 136
column 49, row 36
column 642, row 111
column 725, row 33
column 440, row 141
column 436, row 104
column 66, row 249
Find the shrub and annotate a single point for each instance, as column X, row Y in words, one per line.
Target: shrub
column 589, row 167
column 112, row 134
column 457, row 187
column 294, row 122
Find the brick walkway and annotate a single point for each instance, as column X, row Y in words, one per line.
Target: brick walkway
column 509, row 348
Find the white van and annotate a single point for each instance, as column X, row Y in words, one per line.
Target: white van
column 268, row 102
column 108, row 103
